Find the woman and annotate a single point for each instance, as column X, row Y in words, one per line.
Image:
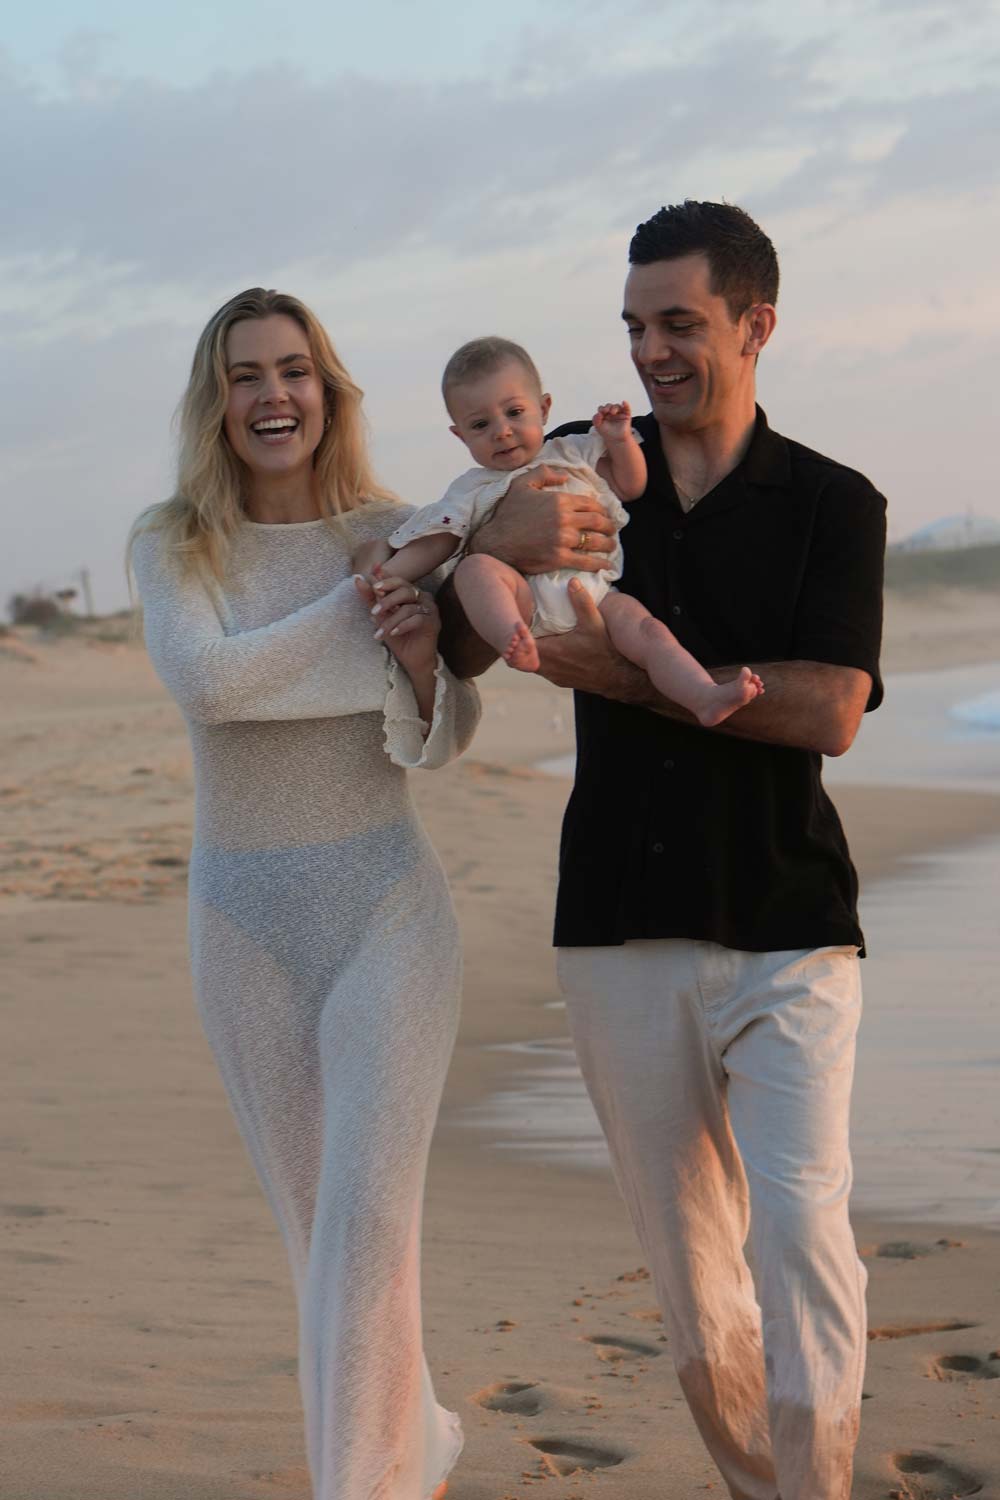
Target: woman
column 324, row 946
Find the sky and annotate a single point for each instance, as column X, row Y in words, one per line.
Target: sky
column 423, row 174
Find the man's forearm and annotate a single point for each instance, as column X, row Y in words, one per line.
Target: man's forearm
column 806, row 705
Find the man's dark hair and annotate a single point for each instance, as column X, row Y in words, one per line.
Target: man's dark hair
column 742, row 264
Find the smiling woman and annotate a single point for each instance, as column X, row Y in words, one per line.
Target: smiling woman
column 276, row 414
column 324, row 946
column 263, row 357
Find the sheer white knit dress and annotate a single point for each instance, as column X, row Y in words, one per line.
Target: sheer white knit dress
column 326, row 959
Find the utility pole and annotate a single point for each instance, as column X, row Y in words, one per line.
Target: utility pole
column 88, row 595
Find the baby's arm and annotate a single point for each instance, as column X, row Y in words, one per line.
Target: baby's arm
column 416, row 560
column 623, row 466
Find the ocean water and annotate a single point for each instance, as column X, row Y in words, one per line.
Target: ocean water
column 926, row 1117
column 934, row 729
column 981, row 713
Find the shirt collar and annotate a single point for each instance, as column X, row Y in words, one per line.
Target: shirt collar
column 767, row 460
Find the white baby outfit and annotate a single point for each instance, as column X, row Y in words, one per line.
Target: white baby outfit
column 469, row 502
column 326, row 958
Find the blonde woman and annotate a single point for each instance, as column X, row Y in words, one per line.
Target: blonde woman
column 324, row 946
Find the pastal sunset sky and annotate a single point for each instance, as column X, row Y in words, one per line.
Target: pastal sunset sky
column 425, row 173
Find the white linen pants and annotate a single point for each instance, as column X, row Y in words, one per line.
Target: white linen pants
column 722, row 1081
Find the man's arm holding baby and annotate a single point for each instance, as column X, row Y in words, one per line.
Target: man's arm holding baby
column 536, row 530
column 808, row 705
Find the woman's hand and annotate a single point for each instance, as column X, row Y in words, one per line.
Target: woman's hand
column 406, row 620
column 371, row 555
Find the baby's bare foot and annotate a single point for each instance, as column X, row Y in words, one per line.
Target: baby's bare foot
column 726, row 697
column 521, row 651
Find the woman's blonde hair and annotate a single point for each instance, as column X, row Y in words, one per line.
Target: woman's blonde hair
column 199, row 519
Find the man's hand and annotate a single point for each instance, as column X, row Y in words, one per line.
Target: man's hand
column 535, row 529
column 585, row 659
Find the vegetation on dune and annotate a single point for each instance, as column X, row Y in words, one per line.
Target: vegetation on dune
column 963, row 568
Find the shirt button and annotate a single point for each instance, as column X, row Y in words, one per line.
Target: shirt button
column 675, row 609
column 678, row 536
column 668, row 765
column 657, row 848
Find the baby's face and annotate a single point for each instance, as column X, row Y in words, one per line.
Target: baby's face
column 500, row 417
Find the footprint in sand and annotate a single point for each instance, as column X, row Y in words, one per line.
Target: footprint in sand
column 908, row 1249
column 26, row 1210
column 33, row 1258
column 294, row 1477
column 965, row 1367
column 561, row 1456
column 913, row 1330
column 520, row 1398
column 613, row 1349
column 926, row 1476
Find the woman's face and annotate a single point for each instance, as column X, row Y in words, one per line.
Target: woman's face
column 276, row 410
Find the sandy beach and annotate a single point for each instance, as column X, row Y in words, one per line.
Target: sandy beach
column 149, row 1325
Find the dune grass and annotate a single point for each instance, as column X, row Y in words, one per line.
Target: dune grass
column 961, row 568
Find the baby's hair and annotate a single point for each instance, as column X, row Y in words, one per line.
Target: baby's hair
column 484, row 357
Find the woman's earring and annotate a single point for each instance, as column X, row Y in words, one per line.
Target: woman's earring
column 326, row 423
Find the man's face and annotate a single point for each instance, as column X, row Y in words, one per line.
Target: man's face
column 690, row 355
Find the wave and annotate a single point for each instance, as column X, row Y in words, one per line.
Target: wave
column 983, row 712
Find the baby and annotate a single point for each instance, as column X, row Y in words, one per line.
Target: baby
column 494, row 396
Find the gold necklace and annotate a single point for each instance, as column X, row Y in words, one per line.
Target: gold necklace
column 688, row 502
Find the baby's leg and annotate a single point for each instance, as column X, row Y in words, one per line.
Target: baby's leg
column 648, row 643
column 499, row 605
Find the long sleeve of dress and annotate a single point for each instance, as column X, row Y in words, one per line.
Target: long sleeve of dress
column 321, row 661
column 318, row 662
column 456, row 714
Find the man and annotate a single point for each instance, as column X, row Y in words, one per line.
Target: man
column 706, row 919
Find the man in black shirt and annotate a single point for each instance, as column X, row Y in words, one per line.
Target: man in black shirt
column 706, row 918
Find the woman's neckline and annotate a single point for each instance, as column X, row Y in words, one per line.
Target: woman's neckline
column 284, row 525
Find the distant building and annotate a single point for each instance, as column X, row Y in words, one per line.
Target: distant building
column 950, row 534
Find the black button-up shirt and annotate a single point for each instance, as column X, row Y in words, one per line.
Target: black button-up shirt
column 677, row 831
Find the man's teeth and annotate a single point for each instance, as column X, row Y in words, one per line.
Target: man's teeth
column 275, row 424
column 669, row 379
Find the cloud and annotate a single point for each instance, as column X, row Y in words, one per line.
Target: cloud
column 141, row 184
column 131, row 183
column 177, row 183
column 415, row 215
column 169, row 184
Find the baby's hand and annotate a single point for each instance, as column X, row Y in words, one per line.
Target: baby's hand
column 614, row 421
column 371, row 555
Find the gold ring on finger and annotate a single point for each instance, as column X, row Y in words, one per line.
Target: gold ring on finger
column 416, row 593
column 581, row 545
